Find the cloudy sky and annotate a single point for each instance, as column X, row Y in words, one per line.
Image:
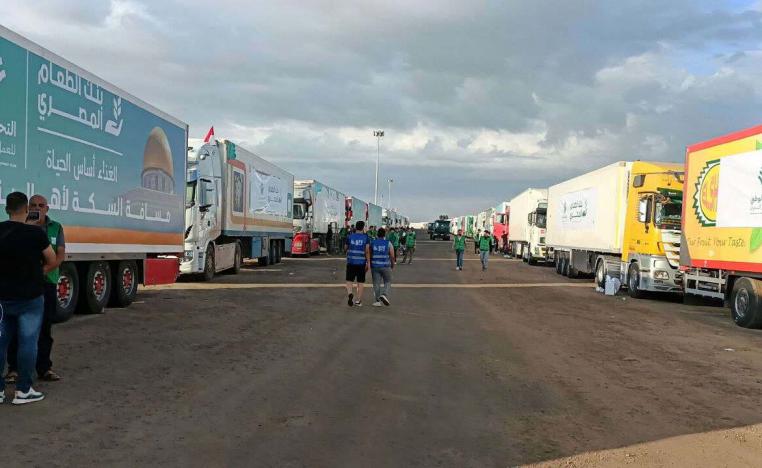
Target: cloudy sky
column 478, row 99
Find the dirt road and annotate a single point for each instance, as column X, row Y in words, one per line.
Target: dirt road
column 466, row 369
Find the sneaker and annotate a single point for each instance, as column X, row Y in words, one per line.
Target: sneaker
column 29, row 397
column 2, row 397
column 350, row 299
column 377, row 304
column 10, row 377
column 358, row 303
column 385, row 300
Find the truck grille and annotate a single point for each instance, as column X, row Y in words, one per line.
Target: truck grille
column 670, row 239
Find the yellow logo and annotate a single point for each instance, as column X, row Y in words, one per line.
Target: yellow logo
column 705, row 198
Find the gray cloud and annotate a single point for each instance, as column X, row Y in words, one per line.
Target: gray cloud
column 479, row 99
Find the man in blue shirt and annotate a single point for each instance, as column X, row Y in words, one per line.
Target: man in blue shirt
column 358, row 262
column 381, row 263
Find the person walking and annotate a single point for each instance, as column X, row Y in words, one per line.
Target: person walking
column 394, row 238
column 459, row 245
column 25, row 257
column 358, row 263
column 38, row 216
column 382, row 261
column 409, row 247
column 476, row 241
column 484, row 242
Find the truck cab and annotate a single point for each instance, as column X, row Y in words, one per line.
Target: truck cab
column 304, row 243
column 440, row 229
column 651, row 243
column 536, row 225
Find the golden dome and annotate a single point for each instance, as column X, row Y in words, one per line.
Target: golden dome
column 157, row 154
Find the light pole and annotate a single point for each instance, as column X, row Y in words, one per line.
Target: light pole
column 389, row 198
column 378, row 134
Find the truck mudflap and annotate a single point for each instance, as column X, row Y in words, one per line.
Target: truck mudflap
column 160, row 270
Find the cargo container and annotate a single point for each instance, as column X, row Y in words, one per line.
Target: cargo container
column 318, row 216
column 621, row 221
column 470, row 223
column 355, row 210
column 720, row 252
column 375, row 216
column 526, row 225
column 110, row 165
column 237, row 206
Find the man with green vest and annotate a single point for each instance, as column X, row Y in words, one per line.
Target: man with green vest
column 38, row 215
column 410, row 246
column 394, row 238
column 459, row 245
column 484, row 242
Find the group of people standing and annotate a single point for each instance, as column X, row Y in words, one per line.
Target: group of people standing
column 32, row 247
column 484, row 245
column 377, row 253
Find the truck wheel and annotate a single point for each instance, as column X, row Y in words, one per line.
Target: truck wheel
column 95, row 289
column 238, row 260
column 125, row 286
column 600, row 273
column 278, row 254
column 633, row 281
column 67, row 293
column 746, row 304
column 557, row 261
column 565, row 266
column 209, row 265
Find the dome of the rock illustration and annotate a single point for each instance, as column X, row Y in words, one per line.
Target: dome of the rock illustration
column 157, row 163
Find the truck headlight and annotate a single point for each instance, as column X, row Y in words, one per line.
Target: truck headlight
column 187, row 255
column 661, row 275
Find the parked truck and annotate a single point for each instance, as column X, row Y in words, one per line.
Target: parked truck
column 318, row 216
column 375, row 216
column 237, row 206
column 720, row 252
column 440, row 229
column 355, row 210
column 110, row 165
column 622, row 221
column 526, row 225
column 500, row 219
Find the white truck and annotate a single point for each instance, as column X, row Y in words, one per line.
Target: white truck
column 620, row 221
column 526, row 225
column 375, row 216
column 355, row 210
column 237, row 206
column 110, row 165
column 318, row 216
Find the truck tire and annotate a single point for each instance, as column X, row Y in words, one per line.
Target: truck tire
column 600, row 273
column 237, row 260
column 633, row 281
column 95, row 290
column 125, row 286
column 564, row 265
column 746, row 303
column 557, row 262
column 209, row 265
column 279, row 255
column 67, row 292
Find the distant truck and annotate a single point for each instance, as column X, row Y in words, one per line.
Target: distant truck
column 440, row 229
column 318, row 216
column 237, row 206
column 355, row 210
column 623, row 221
column 375, row 216
column 721, row 247
column 500, row 219
column 526, row 225
column 110, row 165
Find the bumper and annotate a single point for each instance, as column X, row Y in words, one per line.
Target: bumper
column 661, row 277
column 192, row 261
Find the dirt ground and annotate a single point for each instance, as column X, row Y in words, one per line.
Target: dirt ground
column 512, row 366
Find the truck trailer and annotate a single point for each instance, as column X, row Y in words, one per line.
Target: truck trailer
column 526, row 225
column 720, row 252
column 355, row 210
column 623, row 221
column 500, row 224
column 318, row 216
column 237, row 206
column 375, row 216
column 110, row 165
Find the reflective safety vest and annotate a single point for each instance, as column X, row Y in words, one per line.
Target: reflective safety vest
column 484, row 242
column 379, row 254
column 410, row 240
column 53, row 231
column 356, row 251
column 460, row 243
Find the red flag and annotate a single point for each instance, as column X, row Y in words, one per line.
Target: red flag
column 209, row 135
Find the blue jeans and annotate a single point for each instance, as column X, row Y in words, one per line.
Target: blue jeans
column 381, row 275
column 459, row 258
column 24, row 320
column 484, row 255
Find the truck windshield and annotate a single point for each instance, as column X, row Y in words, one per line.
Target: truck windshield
column 668, row 213
column 190, row 194
column 298, row 211
column 443, row 225
column 540, row 220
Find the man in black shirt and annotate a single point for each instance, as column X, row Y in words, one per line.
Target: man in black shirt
column 24, row 251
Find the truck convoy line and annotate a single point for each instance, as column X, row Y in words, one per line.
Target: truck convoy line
column 137, row 205
column 692, row 228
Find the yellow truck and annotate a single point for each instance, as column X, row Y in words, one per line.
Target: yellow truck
column 721, row 254
column 621, row 221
